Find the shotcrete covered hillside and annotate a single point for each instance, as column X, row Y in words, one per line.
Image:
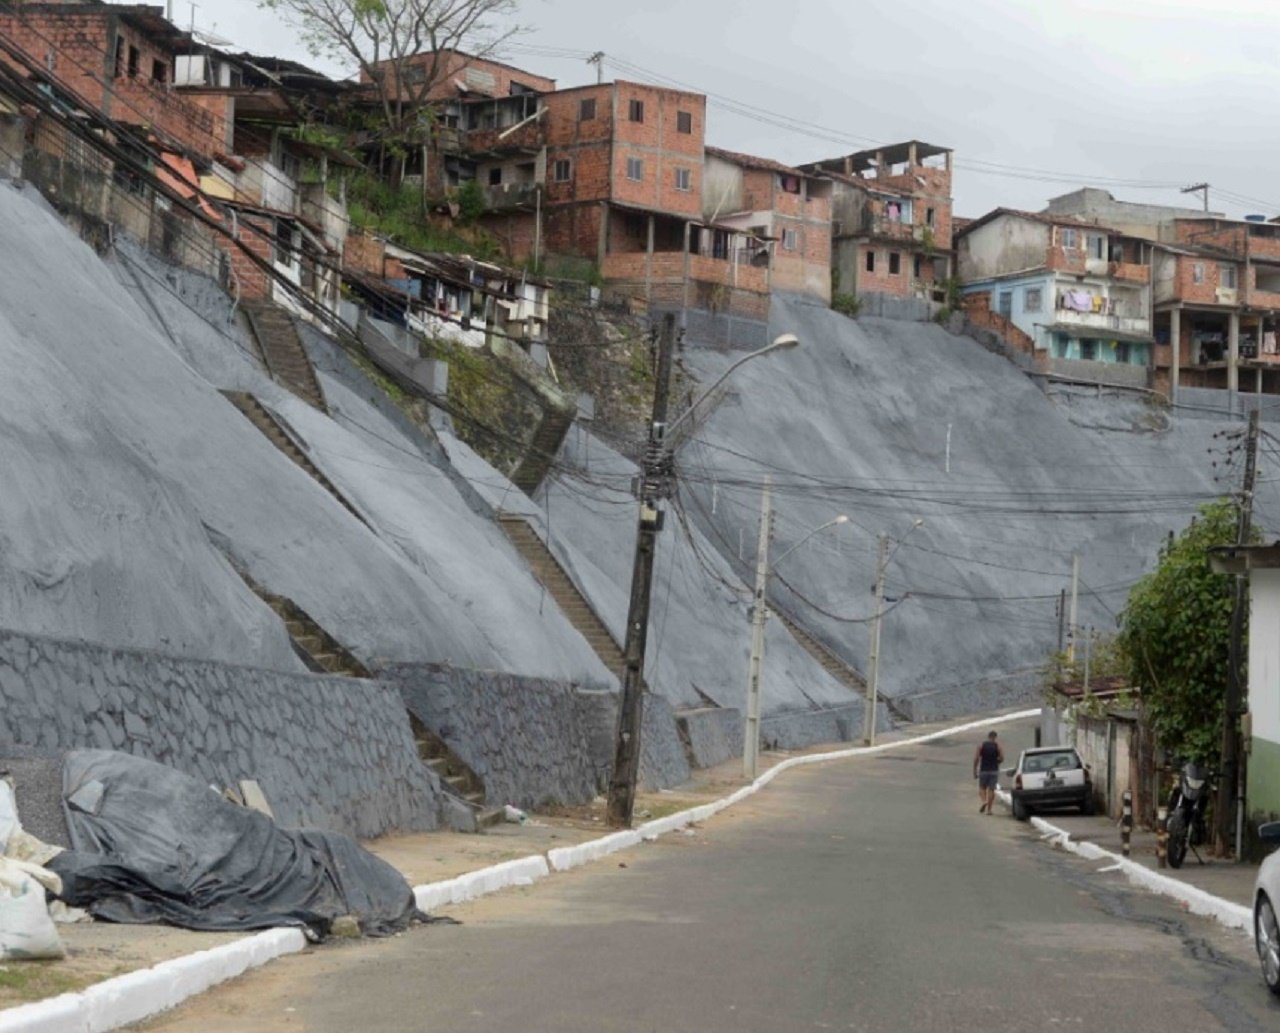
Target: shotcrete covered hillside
column 856, row 421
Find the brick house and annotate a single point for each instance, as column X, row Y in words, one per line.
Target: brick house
column 783, row 216
column 119, row 60
column 1072, row 295
column 891, row 220
column 1217, row 304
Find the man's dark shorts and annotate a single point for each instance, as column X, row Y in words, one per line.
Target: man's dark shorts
column 988, row 779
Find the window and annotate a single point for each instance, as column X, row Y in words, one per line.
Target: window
column 159, row 71
column 636, row 111
column 587, row 110
column 1123, row 352
column 134, row 58
column 634, row 226
column 635, row 169
column 789, row 184
column 1227, row 276
column 928, row 216
column 1097, row 246
column 495, row 176
column 788, row 240
column 1197, row 272
column 916, row 264
column 119, row 57
column 1004, row 304
column 895, row 263
column 1068, row 237
column 562, row 170
column 1089, row 350
column 684, row 179
column 720, row 244
column 871, row 261
column 1031, row 299
column 684, row 122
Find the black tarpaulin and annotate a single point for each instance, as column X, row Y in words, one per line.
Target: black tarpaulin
column 151, row 844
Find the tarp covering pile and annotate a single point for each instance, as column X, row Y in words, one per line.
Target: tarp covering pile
column 152, row 845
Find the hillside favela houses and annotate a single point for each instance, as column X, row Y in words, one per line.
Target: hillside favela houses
column 891, row 221
column 1182, row 301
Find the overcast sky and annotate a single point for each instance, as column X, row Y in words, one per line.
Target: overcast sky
column 1036, row 97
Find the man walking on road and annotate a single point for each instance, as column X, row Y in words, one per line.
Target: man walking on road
column 986, row 769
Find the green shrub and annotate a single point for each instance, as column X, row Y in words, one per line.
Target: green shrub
column 846, row 304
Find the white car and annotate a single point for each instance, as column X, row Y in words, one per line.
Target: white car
column 1050, row 777
column 1266, row 899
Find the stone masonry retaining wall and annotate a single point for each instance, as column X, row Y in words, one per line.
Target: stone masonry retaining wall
column 534, row 741
column 331, row 752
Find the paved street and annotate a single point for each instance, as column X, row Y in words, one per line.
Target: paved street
column 860, row 895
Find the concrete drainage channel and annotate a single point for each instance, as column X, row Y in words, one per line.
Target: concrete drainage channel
column 1196, row 900
column 130, row 998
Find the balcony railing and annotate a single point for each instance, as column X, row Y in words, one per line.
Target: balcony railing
column 1128, row 272
column 511, row 195
column 1103, row 321
column 883, row 226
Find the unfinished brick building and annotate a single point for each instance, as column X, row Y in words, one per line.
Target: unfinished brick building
column 891, row 220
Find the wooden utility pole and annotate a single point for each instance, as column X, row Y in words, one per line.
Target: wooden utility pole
column 654, row 486
column 1230, row 784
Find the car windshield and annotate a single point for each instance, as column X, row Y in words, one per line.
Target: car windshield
column 1050, row 761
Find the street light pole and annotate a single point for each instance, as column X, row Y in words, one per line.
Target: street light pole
column 751, row 731
column 654, row 486
column 883, row 556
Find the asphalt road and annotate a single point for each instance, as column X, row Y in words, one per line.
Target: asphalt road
column 859, row 895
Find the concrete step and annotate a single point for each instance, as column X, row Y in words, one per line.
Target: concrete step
column 486, row 819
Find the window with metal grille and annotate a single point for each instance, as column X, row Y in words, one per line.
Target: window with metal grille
column 684, row 122
column 635, row 111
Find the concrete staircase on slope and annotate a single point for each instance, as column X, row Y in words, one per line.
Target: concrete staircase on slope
column 573, row 604
column 453, row 773
column 282, row 351
column 832, row 664
column 279, row 435
column 319, row 650
column 541, row 453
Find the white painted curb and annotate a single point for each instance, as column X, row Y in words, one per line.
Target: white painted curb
column 523, row 871
column 1196, row 900
column 130, row 998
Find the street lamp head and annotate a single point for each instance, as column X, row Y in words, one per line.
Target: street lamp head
column 918, row 523
column 785, row 341
column 841, row 519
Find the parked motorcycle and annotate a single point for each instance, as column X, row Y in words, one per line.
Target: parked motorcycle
column 1187, row 806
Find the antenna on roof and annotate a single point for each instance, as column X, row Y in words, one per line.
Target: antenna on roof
column 597, row 59
column 1199, row 188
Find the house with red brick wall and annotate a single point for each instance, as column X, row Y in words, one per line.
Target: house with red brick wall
column 1074, row 295
column 891, row 220
column 783, row 214
column 118, row 60
column 1217, row 304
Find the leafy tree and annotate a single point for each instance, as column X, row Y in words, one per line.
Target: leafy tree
column 385, row 38
column 1175, row 632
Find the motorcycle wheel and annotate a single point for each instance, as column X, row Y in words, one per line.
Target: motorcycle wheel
column 1177, row 839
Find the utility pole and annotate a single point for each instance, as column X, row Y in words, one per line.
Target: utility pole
column 1088, row 637
column 654, row 486
column 759, row 614
column 1230, row 784
column 1199, row 188
column 597, row 59
column 1075, row 587
column 1062, row 621
column 873, row 678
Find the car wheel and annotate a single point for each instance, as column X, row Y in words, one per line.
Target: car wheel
column 1266, row 937
column 1020, row 811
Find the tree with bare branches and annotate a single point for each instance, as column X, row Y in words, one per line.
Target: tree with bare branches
column 402, row 49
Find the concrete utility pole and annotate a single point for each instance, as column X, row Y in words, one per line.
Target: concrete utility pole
column 1231, row 782
column 597, row 59
column 655, row 476
column 873, row 675
column 1075, row 588
column 759, row 614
